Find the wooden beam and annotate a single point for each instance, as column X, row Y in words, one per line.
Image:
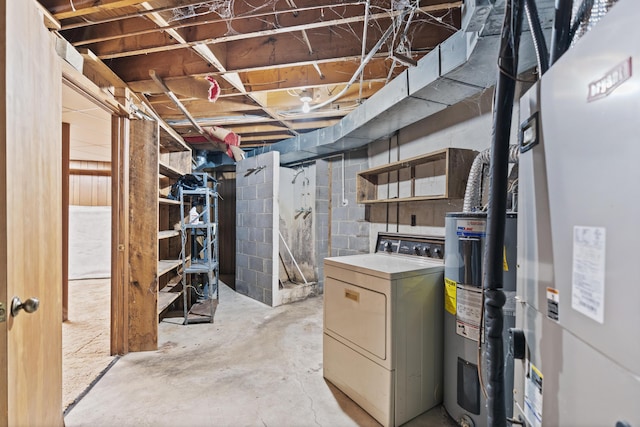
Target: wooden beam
column 240, row 14
column 119, row 4
column 118, row 53
column 49, row 20
column 283, row 78
column 142, row 315
column 119, row 234
column 74, row 79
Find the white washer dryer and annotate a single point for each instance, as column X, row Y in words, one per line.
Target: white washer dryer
column 382, row 341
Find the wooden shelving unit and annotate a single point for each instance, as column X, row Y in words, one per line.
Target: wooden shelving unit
column 174, row 160
column 438, row 175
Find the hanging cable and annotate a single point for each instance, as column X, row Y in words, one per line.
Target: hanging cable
column 372, row 52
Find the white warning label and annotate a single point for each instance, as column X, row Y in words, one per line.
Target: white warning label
column 468, row 311
column 533, row 396
column 587, row 278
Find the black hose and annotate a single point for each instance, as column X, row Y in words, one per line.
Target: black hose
column 496, row 215
column 540, row 45
column 561, row 25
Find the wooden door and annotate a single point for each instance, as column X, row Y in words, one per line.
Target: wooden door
column 30, row 218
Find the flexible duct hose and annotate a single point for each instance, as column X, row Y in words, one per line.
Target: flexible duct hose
column 472, row 194
column 587, row 15
column 473, row 190
column 496, row 216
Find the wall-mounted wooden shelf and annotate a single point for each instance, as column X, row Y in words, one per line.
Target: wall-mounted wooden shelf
column 438, row 175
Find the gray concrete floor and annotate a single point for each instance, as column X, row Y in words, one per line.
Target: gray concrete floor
column 254, row 366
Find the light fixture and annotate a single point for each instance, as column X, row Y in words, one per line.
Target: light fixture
column 305, row 98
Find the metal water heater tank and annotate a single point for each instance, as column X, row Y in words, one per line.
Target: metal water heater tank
column 463, row 272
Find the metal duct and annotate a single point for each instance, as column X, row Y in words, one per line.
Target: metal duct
column 473, row 191
column 459, row 68
column 586, row 20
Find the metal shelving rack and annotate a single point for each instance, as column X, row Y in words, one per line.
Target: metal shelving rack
column 200, row 263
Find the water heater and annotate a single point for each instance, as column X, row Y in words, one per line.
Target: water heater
column 465, row 239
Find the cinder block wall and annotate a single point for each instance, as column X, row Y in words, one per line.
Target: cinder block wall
column 322, row 219
column 257, row 226
column 349, row 231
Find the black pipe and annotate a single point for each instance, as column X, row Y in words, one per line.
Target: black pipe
column 496, row 215
column 561, row 26
column 540, row 45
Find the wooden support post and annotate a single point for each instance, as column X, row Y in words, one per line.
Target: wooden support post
column 143, row 236
column 119, row 234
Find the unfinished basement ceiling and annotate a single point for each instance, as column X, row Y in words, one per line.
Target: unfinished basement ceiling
column 264, row 55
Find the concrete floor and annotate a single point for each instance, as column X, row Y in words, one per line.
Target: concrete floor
column 254, row 366
column 85, row 336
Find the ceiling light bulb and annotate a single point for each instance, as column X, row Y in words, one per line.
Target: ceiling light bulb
column 305, row 107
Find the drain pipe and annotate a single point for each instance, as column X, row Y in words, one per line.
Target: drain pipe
column 496, row 217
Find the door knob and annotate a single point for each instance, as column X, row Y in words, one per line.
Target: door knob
column 30, row 305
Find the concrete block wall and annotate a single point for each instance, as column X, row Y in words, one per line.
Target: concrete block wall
column 349, row 230
column 322, row 218
column 257, row 226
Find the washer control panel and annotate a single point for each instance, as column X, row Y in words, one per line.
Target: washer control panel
column 411, row 245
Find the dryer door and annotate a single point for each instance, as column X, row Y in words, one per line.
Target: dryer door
column 357, row 314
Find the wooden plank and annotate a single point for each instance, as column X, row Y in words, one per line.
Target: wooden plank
column 119, row 235
column 172, row 283
column 90, row 172
column 165, row 299
column 76, row 80
column 205, row 35
column 143, row 219
column 166, row 234
column 30, row 218
column 168, row 171
column 96, row 9
column 166, row 265
column 164, row 200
